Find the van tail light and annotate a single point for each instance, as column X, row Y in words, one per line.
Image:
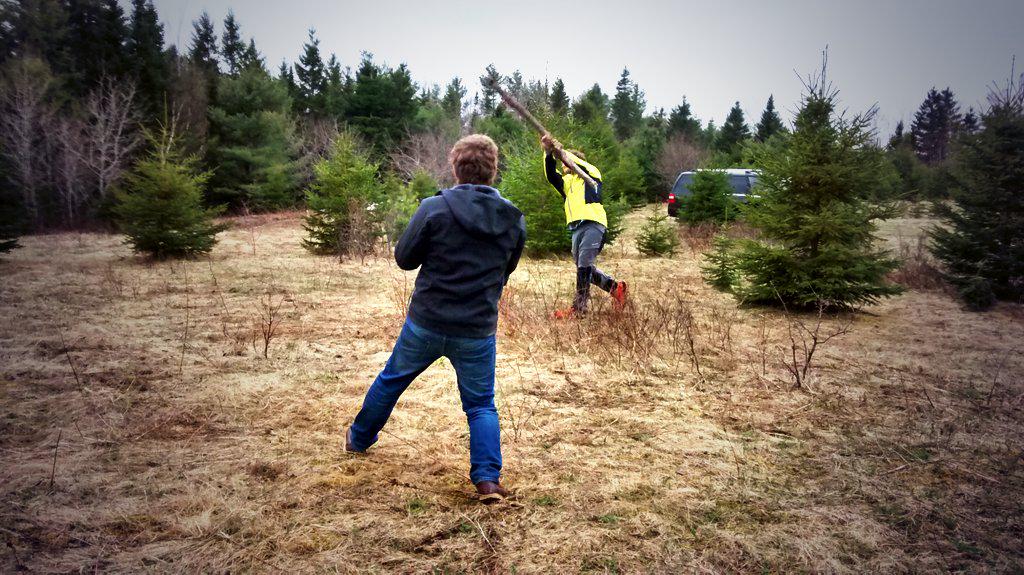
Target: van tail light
column 671, row 198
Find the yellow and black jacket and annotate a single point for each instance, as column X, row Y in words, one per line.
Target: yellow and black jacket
column 582, row 202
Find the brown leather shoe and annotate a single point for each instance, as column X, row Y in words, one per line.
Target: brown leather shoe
column 490, row 492
column 348, row 442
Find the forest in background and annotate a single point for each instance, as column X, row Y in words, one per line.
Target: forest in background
column 83, row 80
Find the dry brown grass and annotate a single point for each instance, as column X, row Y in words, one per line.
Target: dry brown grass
column 183, row 449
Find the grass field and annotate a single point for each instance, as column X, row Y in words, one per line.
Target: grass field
column 145, row 429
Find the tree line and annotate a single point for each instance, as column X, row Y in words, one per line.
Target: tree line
column 97, row 112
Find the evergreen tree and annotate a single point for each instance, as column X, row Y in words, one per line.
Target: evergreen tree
column 559, row 99
column 311, row 79
column 251, row 57
column 161, row 207
column 231, row 46
column 681, row 121
column 709, row 135
column 287, row 77
column 970, row 123
column 339, row 85
column 251, row 142
column 897, row 137
column 627, row 107
column 982, row 243
column 96, row 40
column 710, row 199
column 657, row 236
column 625, row 179
column 339, row 201
column 383, row 105
column 770, row 123
column 935, row 124
column 451, row 103
column 647, row 145
column 402, row 202
column 149, row 66
column 816, row 222
column 203, row 48
column 489, row 101
column 592, row 105
column 37, row 29
column 733, row 133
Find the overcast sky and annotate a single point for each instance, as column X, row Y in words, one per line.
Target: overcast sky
column 885, row 52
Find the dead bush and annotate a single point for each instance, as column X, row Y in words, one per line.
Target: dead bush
column 918, row 270
column 699, row 237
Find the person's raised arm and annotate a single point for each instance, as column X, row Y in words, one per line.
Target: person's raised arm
column 551, row 165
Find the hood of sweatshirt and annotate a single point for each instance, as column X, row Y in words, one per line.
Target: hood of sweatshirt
column 481, row 210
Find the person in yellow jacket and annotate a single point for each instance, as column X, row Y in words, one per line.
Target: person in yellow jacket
column 588, row 223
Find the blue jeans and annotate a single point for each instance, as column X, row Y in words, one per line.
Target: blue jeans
column 473, row 359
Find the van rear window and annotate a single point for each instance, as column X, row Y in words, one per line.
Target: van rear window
column 740, row 184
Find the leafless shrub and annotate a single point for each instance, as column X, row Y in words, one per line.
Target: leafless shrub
column 401, row 292
column 698, row 237
column 721, row 321
column 268, row 320
column 804, row 340
column 679, row 155
column 763, row 333
column 918, row 270
column 359, row 235
column 112, row 280
column 428, row 152
column 250, row 223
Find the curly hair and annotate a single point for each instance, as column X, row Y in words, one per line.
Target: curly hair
column 474, row 160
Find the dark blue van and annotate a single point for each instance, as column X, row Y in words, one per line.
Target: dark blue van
column 742, row 180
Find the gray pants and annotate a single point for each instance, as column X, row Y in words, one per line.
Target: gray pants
column 587, row 241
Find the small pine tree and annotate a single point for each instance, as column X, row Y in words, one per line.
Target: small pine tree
column 559, row 99
column 657, row 237
column 681, row 121
column 232, row 47
column 341, row 201
column 402, row 201
column 627, row 107
column 770, row 123
column 626, row 180
column 710, row 199
column 935, row 124
column 982, row 243
column 815, row 217
column 733, row 133
column 160, row 209
column 311, row 80
column 452, row 101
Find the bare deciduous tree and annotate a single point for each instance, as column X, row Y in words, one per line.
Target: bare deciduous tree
column 428, row 152
column 70, row 180
column 111, row 132
column 315, row 141
column 25, row 116
column 679, row 155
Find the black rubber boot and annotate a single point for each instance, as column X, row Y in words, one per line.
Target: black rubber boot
column 583, row 277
